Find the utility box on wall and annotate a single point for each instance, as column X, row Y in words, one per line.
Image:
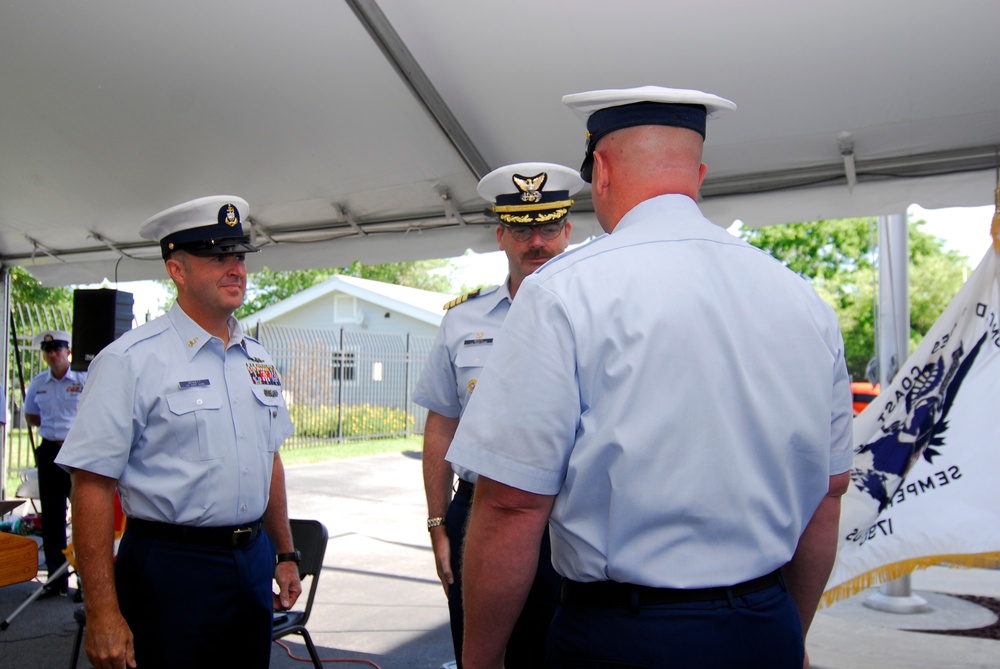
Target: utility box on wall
column 99, row 317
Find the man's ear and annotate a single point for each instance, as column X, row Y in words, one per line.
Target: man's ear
column 499, row 235
column 175, row 270
column 702, row 171
column 600, row 173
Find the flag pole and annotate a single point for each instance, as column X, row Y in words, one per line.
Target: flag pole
column 995, row 226
column 893, row 331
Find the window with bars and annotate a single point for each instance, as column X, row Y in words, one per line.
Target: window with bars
column 344, row 364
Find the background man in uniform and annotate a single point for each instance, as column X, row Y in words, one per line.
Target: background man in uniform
column 676, row 404
column 184, row 415
column 532, row 202
column 50, row 405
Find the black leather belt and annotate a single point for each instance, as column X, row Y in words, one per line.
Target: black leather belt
column 465, row 488
column 611, row 594
column 236, row 536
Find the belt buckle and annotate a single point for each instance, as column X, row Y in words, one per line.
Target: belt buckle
column 242, row 536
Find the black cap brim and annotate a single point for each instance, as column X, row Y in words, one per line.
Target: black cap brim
column 222, row 247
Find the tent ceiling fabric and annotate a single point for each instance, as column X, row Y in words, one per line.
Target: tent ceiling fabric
column 358, row 130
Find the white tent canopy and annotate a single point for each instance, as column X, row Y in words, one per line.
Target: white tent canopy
column 358, row 130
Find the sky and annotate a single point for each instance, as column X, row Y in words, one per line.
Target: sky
column 963, row 229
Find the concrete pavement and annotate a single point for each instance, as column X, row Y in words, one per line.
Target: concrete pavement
column 380, row 603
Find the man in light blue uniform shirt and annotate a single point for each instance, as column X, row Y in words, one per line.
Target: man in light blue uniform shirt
column 675, row 404
column 532, row 202
column 50, row 405
column 184, row 416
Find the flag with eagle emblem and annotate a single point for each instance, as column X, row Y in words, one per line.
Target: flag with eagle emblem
column 925, row 481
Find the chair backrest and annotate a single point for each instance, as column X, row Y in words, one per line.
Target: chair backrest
column 310, row 538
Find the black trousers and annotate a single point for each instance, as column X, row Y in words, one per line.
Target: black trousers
column 53, row 493
column 197, row 607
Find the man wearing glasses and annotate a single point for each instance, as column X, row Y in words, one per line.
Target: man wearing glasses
column 532, row 202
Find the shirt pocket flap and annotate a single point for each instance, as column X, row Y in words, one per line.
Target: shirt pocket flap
column 187, row 401
column 271, row 396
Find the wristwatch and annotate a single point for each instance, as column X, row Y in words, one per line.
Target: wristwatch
column 295, row 556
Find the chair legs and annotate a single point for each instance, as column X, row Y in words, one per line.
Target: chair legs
column 318, row 663
column 80, row 616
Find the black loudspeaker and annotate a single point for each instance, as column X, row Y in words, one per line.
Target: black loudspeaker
column 99, row 317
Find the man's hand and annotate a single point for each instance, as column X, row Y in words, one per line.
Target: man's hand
column 442, row 556
column 289, row 585
column 108, row 642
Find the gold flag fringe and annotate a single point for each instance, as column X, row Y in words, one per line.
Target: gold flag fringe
column 891, row 572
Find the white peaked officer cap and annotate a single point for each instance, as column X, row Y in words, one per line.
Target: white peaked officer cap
column 612, row 109
column 530, row 193
column 51, row 339
column 208, row 226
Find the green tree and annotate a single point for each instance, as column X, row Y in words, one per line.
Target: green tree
column 25, row 289
column 838, row 257
column 268, row 287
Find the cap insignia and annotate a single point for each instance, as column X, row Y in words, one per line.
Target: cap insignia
column 231, row 219
column 530, row 187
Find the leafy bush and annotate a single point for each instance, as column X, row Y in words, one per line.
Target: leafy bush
column 357, row 421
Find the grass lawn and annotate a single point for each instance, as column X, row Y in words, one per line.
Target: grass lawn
column 349, row 449
column 308, row 455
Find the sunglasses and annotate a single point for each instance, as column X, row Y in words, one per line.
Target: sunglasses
column 523, row 233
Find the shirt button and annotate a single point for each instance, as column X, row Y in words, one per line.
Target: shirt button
column 199, row 402
column 243, row 508
column 245, row 471
column 242, row 436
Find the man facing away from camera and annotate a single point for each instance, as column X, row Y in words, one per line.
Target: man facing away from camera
column 674, row 405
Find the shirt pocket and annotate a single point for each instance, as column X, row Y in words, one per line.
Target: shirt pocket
column 269, row 403
column 469, row 363
column 191, row 414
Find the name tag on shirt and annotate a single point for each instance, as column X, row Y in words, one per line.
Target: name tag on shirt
column 194, row 384
column 482, row 340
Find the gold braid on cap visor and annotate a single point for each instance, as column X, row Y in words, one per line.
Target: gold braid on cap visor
column 507, row 213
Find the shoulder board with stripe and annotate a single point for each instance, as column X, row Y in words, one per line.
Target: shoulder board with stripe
column 459, row 300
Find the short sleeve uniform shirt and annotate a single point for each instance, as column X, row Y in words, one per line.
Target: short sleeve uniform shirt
column 461, row 348
column 55, row 401
column 188, row 425
column 682, row 394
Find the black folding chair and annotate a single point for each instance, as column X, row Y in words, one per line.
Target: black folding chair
column 309, row 538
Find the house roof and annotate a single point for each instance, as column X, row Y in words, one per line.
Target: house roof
column 422, row 305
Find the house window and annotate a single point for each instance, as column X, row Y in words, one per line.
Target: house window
column 343, row 365
column 345, row 309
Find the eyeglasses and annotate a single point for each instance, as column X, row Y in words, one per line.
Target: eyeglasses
column 523, row 233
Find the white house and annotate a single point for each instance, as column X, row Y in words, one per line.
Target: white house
column 359, row 305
